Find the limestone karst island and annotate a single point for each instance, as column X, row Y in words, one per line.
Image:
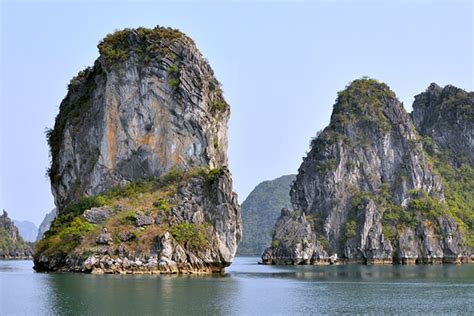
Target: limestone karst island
column 238, row 158
column 381, row 185
column 139, row 163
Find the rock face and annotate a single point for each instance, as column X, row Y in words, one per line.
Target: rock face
column 46, row 223
column 260, row 210
column 294, row 241
column 139, row 155
column 446, row 115
column 366, row 192
column 97, row 215
column 149, row 104
column 12, row 246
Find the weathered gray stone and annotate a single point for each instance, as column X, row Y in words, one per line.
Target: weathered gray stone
column 105, row 238
column 142, row 219
column 369, row 245
column 294, row 242
column 127, row 236
column 97, row 215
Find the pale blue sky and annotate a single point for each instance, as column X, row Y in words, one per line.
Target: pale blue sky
column 280, row 63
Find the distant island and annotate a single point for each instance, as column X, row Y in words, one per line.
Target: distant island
column 12, row 245
column 260, row 211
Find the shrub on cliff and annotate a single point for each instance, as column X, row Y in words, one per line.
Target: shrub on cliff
column 192, row 235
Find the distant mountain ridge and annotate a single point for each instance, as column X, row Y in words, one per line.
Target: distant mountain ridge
column 259, row 212
column 28, row 230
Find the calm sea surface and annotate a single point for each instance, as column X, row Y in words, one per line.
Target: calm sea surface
column 245, row 289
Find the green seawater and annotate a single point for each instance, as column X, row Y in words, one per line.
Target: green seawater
column 245, row 289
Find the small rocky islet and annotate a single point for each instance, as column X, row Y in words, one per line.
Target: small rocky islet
column 141, row 183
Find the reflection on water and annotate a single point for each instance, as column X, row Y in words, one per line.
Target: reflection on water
column 246, row 288
column 116, row 294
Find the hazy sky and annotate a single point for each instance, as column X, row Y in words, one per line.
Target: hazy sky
column 280, row 63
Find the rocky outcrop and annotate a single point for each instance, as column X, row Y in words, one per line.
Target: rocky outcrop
column 194, row 227
column 46, row 223
column 139, row 155
column 295, row 241
column 260, row 210
column 423, row 244
column 446, row 116
column 369, row 244
column 12, row 245
column 97, row 215
column 366, row 191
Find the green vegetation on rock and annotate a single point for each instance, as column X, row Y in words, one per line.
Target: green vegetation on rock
column 458, row 184
column 66, row 239
column 162, row 204
column 154, row 43
column 326, row 166
column 71, row 233
column 363, row 99
column 350, row 229
column 192, row 235
column 219, row 105
column 11, row 244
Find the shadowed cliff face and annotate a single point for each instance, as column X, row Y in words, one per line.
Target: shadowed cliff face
column 139, row 163
column 366, row 192
column 149, row 104
column 446, row 115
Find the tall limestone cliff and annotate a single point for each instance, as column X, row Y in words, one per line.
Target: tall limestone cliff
column 260, row 211
column 367, row 192
column 149, row 104
column 139, row 155
column 12, row 245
